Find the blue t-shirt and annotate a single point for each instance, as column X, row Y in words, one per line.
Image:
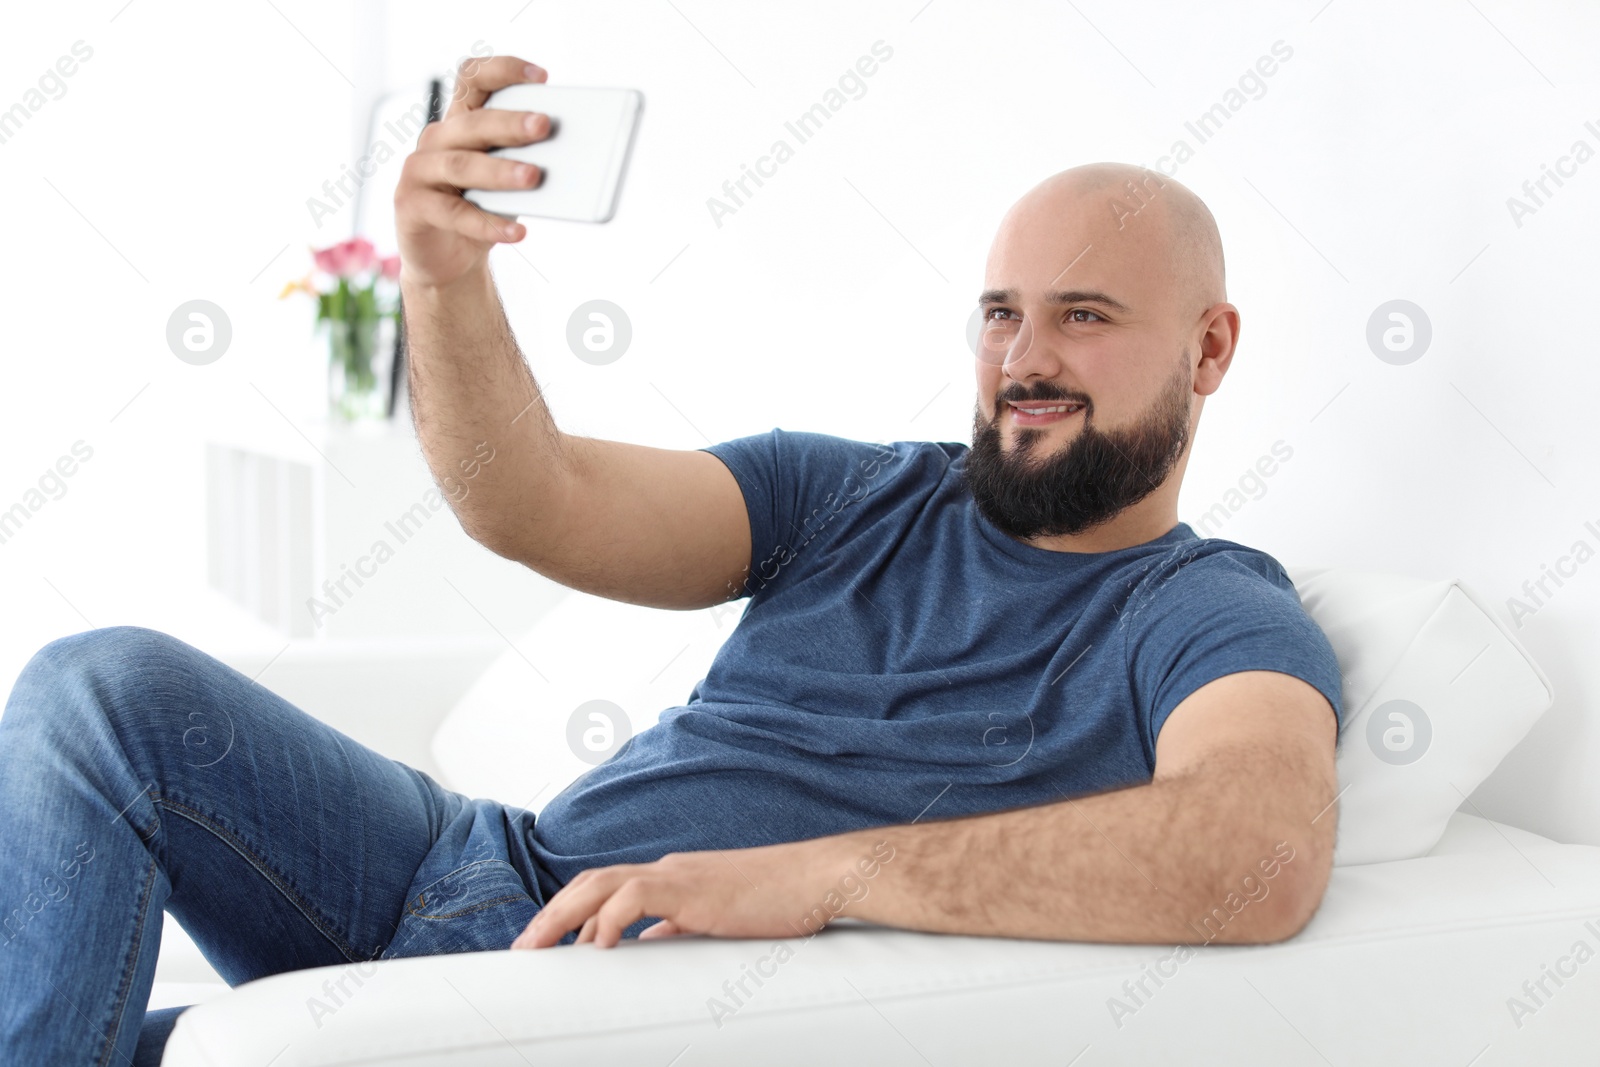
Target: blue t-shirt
column 900, row 657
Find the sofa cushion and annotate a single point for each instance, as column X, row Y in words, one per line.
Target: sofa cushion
column 528, row 726
column 1436, row 693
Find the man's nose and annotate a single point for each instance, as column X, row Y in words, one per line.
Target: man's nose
column 1004, row 341
column 1030, row 355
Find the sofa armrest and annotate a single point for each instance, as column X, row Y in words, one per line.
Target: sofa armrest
column 1423, row 952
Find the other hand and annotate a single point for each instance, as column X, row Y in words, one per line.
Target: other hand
column 789, row 890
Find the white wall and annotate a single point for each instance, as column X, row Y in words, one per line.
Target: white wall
column 1376, row 166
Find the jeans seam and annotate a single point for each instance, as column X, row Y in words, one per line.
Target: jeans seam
column 229, row 838
column 462, row 869
column 465, row 911
column 126, row 985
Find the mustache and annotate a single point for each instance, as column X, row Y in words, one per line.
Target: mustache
column 1041, row 395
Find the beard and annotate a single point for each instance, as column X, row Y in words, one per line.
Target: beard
column 1089, row 481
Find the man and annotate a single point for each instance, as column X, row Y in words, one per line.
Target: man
column 1003, row 683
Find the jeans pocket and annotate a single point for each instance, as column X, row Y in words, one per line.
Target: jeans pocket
column 477, row 908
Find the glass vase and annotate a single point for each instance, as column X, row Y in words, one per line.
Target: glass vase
column 360, row 355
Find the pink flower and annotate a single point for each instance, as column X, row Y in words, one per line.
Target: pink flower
column 347, row 258
column 390, row 267
column 362, row 255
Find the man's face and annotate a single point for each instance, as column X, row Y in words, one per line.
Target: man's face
column 1037, row 486
column 1100, row 333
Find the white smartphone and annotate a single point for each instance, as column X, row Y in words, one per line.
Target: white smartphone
column 584, row 158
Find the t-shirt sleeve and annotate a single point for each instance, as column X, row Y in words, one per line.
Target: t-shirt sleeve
column 1195, row 620
column 792, row 483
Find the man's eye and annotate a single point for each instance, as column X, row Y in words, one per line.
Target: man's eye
column 989, row 315
column 1083, row 311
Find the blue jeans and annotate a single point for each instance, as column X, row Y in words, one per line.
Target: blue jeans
column 138, row 775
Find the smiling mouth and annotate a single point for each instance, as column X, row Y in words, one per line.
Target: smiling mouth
column 1042, row 414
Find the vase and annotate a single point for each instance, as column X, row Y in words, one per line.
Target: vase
column 360, row 358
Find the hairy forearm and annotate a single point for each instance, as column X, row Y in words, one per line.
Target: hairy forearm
column 471, row 389
column 1224, row 856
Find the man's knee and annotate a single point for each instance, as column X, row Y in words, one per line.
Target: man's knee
column 96, row 672
column 108, row 652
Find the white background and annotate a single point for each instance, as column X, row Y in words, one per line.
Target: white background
column 1377, row 165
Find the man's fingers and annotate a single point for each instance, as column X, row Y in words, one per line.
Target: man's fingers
column 462, row 169
column 637, row 898
column 490, row 127
column 477, row 78
column 586, row 934
column 664, row 928
column 490, row 227
column 447, row 211
column 573, row 906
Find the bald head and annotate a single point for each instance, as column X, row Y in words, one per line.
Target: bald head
column 1133, row 216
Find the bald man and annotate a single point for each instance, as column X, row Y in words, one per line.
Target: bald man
column 996, row 690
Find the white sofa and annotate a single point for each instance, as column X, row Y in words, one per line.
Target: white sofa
column 1444, row 937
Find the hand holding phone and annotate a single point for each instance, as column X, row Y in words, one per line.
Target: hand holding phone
column 443, row 237
column 582, row 159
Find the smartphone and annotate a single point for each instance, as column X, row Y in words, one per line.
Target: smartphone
column 584, row 158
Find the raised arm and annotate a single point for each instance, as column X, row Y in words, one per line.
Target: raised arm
column 661, row 527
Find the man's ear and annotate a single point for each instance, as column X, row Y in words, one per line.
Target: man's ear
column 1219, row 336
